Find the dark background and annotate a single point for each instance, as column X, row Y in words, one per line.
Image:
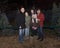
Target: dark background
column 13, row 4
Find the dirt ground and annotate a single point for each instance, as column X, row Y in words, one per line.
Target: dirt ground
column 12, row 42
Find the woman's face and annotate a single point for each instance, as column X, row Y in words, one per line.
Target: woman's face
column 38, row 11
column 22, row 10
column 32, row 11
column 26, row 13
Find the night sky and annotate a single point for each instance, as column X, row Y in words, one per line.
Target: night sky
column 44, row 4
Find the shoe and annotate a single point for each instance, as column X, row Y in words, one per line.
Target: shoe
column 41, row 39
column 26, row 38
column 38, row 38
column 21, row 42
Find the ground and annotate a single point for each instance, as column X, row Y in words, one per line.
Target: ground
column 12, row 42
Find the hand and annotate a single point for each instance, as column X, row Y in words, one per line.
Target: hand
column 38, row 19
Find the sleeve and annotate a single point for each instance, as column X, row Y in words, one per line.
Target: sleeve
column 42, row 18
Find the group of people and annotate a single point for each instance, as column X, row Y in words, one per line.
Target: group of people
column 33, row 22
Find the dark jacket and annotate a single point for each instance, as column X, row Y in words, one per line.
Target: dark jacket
column 20, row 20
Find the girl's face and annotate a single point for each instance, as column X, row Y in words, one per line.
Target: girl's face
column 26, row 13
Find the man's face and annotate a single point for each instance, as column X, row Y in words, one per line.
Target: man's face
column 22, row 10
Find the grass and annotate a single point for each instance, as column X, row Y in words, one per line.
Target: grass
column 12, row 42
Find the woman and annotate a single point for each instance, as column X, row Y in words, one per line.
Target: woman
column 27, row 23
column 41, row 18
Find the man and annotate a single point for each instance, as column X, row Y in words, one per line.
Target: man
column 20, row 20
column 41, row 18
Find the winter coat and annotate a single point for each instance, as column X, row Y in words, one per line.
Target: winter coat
column 20, row 20
column 27, row 21
column 41, row 19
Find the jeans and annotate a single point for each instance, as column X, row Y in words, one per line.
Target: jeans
column 27, row 31
column 21, row 35
column 40, row 33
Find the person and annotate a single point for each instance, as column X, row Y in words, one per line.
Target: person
column 34, row 24
column 41, row 19
column 32, row 12
column 20, row 20
column 27, row 23
column 34, row 20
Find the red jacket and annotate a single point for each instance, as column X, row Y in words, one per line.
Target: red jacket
column 41, row 18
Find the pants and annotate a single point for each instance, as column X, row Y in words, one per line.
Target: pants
column 27, row 31
column 33, row 32
column 21, row 34
column 40, row 33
